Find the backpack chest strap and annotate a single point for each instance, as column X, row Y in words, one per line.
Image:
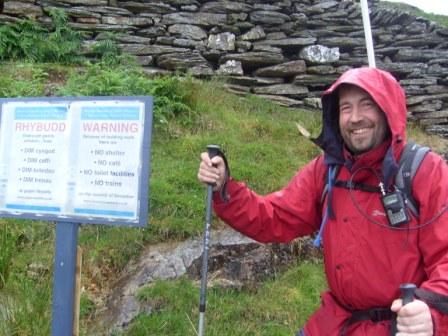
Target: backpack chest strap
column 357, row 186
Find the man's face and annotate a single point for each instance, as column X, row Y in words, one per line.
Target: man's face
column 362, row 124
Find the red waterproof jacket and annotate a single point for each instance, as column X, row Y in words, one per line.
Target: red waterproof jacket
column 365, row 260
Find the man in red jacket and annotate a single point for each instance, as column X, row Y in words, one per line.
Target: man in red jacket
column 365, row 257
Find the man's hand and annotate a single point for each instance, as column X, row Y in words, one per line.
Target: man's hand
column 413, row 318
column 212, row 171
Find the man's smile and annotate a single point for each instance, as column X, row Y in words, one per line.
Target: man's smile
column 360, row 131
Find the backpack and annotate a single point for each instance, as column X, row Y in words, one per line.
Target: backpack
column 410, row 160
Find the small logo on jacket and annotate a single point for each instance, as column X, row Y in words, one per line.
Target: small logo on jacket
column 376, row 213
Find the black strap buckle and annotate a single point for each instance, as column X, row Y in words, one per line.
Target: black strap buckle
column 380, row 314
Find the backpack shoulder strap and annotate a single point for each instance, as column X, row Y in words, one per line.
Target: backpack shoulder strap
column 434, row 300
column 326, row 186
column 410, row 160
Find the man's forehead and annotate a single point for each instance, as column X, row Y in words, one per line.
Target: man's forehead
column 346, row 90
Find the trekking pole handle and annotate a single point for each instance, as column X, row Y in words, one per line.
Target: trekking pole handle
column 407, row 292
column 407, row 296
column 213, row 150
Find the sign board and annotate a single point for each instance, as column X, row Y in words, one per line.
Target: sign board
column 83, row 160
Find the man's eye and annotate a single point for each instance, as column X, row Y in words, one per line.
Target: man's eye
column 368, row 103
column 344, row 109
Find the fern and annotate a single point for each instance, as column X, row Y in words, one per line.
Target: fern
column 28, row 40
column 100, row 79
column 27, row 80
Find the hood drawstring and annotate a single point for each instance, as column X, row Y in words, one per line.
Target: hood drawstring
column 328, row 210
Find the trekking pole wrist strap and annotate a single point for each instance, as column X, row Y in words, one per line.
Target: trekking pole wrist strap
column 223, row 189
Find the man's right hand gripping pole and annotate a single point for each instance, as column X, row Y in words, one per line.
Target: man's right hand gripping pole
column 212, row 171
column 413, row 316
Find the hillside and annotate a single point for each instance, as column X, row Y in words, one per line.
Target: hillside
column 264, row 149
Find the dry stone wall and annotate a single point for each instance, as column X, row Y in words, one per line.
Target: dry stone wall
column 286, row 50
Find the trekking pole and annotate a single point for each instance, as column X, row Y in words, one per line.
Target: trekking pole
column 407, row 296
column 407, row 292
column 212, row 150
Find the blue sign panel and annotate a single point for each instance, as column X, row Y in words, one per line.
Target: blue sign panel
column 84, row 160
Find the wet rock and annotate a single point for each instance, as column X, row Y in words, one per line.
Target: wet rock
column 243, row 46
column 200, row 19
column 415, row 55
column 342, row 42
column 231, row 67
column 100, row 27
column 226, row 7
column 181, row 61
column 188, row 31
column 223, row 41
column 86, row 2
column 268, row 17
column 129, row 21
column 254, row 59
column 148, row 7
column 28, row 10
column 256, row 33
column 288, row 43
column 282, row 70
column 283, row 90
column 155, row 31
column 142, row 49
column 315, row 103
column 314, row 80
column 235, row 261
column 320, row 54
column 254, row 81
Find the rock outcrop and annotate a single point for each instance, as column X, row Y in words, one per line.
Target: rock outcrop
column 235, row 262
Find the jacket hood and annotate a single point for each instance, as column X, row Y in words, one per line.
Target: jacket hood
column 385, row 91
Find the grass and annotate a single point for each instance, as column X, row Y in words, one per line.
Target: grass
column 264, row 149
column 276, row 308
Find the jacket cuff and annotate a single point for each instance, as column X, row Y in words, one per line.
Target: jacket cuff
column 222, row 195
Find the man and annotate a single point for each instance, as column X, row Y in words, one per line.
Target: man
column 365, row 257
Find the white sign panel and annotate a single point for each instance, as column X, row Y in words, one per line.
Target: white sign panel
column 74, row 159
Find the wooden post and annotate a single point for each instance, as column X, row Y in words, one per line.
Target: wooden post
column 77, row 300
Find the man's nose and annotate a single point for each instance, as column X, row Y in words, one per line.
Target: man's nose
column 355, row 114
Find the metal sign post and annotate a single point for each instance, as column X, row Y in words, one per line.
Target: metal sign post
column 74, row 161
column 64, row 278
column 368, row 33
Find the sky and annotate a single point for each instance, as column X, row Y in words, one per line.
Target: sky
column 429, row 6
